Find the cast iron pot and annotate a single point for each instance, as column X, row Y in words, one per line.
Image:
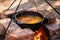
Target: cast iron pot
column 35, row 26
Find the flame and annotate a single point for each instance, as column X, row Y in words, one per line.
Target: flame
column 40, row 35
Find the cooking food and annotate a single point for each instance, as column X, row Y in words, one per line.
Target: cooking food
column 29, row 19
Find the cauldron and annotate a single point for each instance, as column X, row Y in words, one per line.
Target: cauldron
column 33, row 27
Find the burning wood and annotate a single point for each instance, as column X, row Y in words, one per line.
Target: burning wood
column 40, row 35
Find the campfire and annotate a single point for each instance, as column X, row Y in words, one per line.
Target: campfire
column 41, row 34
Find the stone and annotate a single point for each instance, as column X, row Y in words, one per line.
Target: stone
column 24, row 34
column 56, row 37
column 2, row 31
column 13, row 25
column 57, row 32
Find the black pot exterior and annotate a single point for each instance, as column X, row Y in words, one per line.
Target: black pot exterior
column 35, row 26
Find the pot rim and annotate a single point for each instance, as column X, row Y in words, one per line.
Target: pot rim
column 28, row 11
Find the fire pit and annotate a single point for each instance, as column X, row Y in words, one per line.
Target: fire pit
column 41, row 32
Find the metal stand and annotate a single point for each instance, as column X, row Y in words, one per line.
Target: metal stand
column 52, row 7
column 12, row 17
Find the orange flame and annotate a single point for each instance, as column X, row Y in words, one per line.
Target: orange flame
column 40, row 35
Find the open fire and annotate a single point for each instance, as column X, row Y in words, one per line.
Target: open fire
column 41, row 34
